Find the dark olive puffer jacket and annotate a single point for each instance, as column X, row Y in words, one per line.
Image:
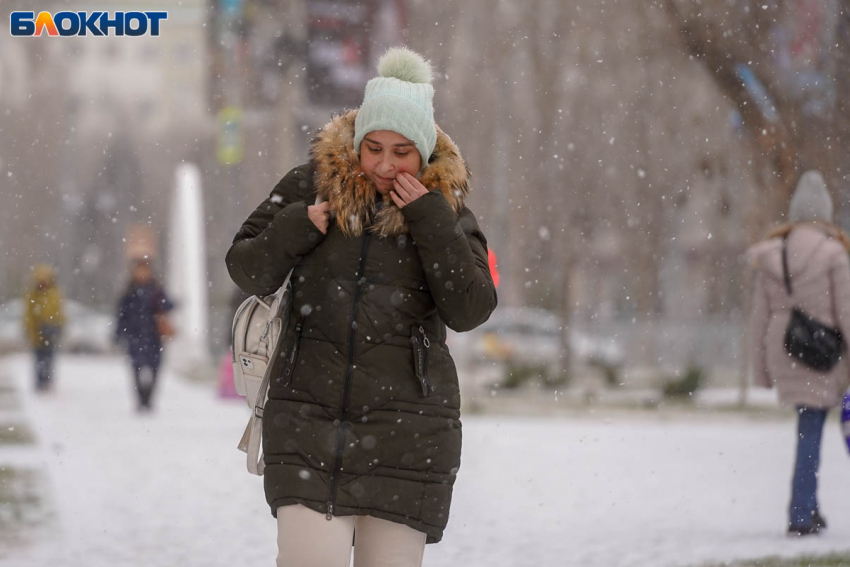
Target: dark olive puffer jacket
column 363, row 411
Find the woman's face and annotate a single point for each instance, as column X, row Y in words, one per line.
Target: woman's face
column 384, row 154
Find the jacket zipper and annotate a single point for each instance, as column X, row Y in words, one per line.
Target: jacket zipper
column 340, row 435
column 421, row 346
column 290, row 359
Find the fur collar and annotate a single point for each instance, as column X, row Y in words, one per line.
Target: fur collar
column 340, row 181
column 828, row 228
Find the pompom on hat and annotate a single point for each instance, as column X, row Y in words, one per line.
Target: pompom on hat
column 400, row 99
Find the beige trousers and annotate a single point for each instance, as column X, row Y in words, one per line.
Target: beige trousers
column 305, row 538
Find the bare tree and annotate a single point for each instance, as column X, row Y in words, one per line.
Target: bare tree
column 792, row 125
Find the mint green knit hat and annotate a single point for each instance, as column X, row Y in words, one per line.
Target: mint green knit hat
column 401, row 99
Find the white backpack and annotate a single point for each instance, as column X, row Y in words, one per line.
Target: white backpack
column 257, row 327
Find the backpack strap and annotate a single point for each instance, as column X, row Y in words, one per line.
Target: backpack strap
column 785, row 273
column 252, row 437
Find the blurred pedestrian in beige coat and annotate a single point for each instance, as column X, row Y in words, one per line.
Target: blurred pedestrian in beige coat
column 819, row 268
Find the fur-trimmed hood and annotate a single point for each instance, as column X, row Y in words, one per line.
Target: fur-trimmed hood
column 352, row 196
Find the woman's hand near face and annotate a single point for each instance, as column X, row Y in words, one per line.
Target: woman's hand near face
column 406, row 190
column 320, row 215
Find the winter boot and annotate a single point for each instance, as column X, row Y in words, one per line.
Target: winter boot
column 800, row 531
column 819, row 520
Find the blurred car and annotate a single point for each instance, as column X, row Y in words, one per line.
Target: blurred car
column 532, row 337
column 86, row 330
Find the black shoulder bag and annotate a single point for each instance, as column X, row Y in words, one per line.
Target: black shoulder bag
column 811, row 342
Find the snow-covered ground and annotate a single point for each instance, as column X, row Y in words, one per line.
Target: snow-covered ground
column 632, row 488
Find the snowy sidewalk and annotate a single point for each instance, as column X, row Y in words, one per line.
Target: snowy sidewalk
column 170, row 489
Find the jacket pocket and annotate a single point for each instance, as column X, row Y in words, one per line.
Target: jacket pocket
column 291, row 357
column 421, row 346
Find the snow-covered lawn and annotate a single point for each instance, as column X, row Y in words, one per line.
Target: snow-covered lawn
column 629, row 488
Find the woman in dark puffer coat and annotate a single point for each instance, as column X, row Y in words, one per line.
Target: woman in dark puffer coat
column 361, row 430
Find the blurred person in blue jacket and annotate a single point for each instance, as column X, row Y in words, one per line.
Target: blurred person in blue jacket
column 142, row 325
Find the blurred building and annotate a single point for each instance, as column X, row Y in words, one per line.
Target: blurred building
column 147, row 83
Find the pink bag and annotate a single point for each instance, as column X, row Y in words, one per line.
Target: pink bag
column 226, row 387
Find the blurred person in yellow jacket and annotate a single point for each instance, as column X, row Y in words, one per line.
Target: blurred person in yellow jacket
column 43, row 320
